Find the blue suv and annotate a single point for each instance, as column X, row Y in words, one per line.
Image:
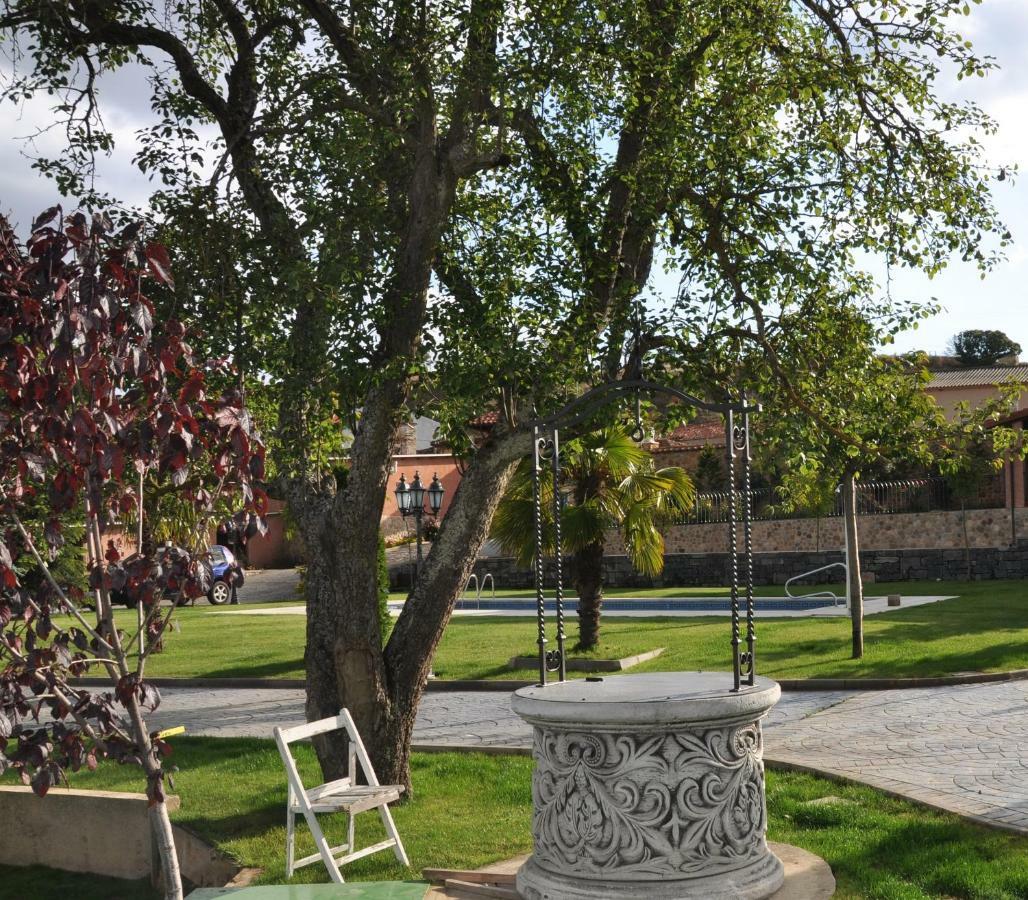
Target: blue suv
column 228, row 575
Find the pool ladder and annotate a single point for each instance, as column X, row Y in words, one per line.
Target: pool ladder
column 479, row 587
column 828, row 595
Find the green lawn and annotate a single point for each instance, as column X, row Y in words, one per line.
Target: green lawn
column 984, row 629
column 471, row 809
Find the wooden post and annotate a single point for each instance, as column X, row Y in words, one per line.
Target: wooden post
column 855, row 587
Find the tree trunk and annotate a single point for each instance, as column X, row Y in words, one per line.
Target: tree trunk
column 160, row 825
column 856, row 587
column 587, row 564
column 967, row 540
column 344, row 658
column 345, row 661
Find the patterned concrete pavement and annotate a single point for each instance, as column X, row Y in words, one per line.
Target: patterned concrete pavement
column 963, row 749
column 458, row 719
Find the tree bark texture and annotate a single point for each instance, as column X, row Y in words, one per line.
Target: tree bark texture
column 587, row 564
column 160, row 822
column 967, row 540
column 160, row 825
column 856, row 586
column 345, row 661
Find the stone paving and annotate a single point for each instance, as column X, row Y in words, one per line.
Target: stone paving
column 464, row 719
column 270, row 585
column 963, row 749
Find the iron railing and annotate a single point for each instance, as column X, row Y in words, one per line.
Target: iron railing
column 874, row 498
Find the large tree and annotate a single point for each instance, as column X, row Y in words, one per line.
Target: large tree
column 976, row 347
column 453, row 205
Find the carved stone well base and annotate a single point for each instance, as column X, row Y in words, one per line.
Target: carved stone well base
column 649, row 787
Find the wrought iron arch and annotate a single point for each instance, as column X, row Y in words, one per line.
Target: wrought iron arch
column 738, row 457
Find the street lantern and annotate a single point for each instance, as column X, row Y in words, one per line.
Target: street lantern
column 403, row 496
column 410, row 501
column 417, row 495
column 435, row 495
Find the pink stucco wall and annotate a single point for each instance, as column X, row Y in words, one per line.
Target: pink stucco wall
column 950, row 397
column 428, row 464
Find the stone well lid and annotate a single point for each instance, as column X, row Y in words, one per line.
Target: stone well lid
column 646, row 699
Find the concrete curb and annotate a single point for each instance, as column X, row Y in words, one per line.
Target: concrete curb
column 893, row 684
column 444, row 686
column 295, row 684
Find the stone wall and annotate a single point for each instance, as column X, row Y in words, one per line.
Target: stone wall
column 929, row 531
column 712, row 569
column 902, row 547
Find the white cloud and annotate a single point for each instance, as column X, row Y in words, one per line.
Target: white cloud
column 125, row 105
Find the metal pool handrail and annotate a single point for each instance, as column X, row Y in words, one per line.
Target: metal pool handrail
column 835, row 598
column 480, row 586
column 492, row 586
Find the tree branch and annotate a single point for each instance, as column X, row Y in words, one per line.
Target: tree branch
column 369, row 83
column 71, row 607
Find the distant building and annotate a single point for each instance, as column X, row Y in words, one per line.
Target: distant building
column 953, row 386
column 685, row 444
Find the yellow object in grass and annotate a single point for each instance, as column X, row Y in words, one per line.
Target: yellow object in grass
column 171, row 732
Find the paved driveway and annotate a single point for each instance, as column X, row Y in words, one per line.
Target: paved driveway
column 963, row 749
column 270, row 585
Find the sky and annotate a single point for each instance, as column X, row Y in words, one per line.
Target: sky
column 998, row 28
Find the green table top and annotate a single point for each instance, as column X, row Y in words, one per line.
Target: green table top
column 362, row 890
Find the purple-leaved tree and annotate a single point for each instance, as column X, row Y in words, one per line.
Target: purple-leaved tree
column 95, row 402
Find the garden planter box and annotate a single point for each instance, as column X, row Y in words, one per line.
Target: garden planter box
column 100, row 833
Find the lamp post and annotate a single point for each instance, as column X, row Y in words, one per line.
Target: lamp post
column 410, row 500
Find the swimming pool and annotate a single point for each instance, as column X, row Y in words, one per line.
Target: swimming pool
column 650, row 604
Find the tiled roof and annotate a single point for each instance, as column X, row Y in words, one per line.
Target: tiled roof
column 486, row 420
column 985, row 377
column 689, row 437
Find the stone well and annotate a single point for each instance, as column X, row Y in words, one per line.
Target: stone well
column 649, row 787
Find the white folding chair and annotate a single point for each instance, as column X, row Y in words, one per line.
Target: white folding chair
column 341, row 795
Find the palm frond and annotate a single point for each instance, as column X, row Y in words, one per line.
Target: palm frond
column 610, row 452
column 614, row 483
column 513, row 525
column 582, row 525
column 643, row 541
column 513, row 528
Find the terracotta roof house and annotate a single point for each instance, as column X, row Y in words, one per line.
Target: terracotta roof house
column 694, row 436
column 973, row 386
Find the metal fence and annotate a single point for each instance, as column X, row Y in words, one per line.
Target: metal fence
column 874, row 498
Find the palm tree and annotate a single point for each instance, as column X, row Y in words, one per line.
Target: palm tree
column 607, row 481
